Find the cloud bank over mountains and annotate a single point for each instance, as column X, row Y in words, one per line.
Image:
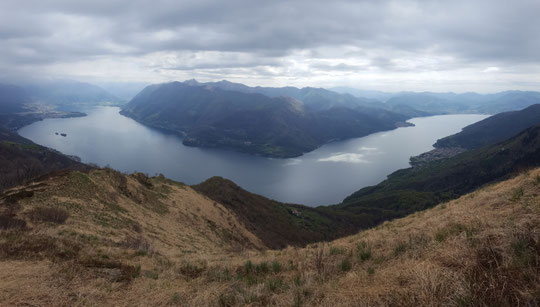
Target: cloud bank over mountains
column 388, row 45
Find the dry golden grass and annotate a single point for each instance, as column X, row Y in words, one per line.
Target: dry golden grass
column 171, row 217
column 481, row 250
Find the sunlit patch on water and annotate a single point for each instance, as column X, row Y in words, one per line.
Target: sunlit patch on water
column 345, row 157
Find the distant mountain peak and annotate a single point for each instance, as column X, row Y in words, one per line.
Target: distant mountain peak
column 191, row 82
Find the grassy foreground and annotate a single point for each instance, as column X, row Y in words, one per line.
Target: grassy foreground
column 102, row 238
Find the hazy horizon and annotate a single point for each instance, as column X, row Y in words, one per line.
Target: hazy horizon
column 392, row 46
column 119, row 85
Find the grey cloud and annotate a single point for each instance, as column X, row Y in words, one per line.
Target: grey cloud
column 382, row 62
column 461, row 32
column 230, row 63
column 339, row 67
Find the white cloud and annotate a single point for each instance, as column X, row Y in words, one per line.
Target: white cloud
column 491, row 69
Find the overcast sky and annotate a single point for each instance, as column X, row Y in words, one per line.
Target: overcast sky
column 454, row 45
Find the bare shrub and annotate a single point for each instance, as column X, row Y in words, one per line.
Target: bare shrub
column 139, row 243
column 10, row 222
column 142, row 179
column 48, row 214
column 13, row 198
column 191, row 270
column 118, row 271
column 136, row 227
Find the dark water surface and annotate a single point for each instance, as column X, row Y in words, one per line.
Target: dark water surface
column 324, row 176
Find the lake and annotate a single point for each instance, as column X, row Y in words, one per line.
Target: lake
column 324, row 176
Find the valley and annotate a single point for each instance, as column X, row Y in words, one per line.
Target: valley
column 321, row 177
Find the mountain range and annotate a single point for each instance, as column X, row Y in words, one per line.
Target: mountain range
column 451, row 103
column 314, row 98
column 283, row 126
column 276, row 122
column 288, row 121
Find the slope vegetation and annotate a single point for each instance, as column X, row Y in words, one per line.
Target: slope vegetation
column 277, row 224
column 153, row 244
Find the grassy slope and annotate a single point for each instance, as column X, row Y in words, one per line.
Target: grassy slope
column 108, row 205
column 481, row 249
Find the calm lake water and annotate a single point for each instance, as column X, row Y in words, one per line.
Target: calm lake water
column 321, row 177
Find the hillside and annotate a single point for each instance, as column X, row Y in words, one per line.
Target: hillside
column 103, row 238
column 493, row 129
column 279, row 127
column 314, row 98
column 409, row 190
column 277, row 224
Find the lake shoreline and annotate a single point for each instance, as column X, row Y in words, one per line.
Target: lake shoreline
column 321, row 177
